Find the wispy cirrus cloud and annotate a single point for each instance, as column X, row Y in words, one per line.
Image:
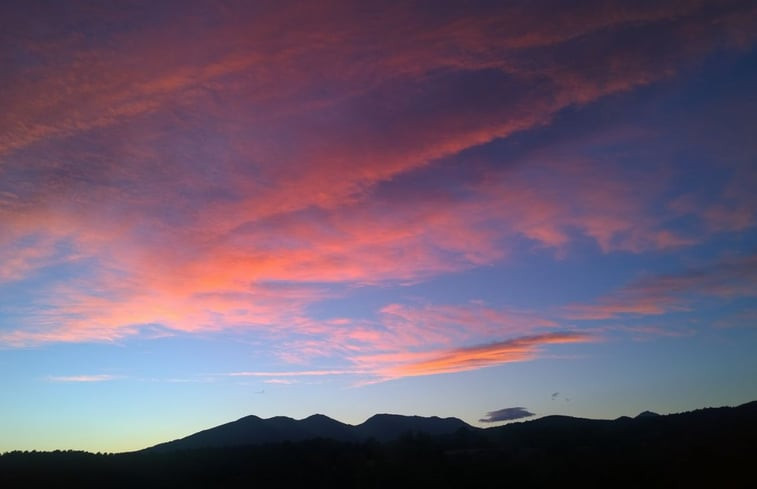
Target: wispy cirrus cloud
column 419, row 340
column 133, row 74
column 83, row 378
column 280, row 381
column 294, row 373
column 655, row 295
column 381, row 367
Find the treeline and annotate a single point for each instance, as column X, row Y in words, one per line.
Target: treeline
column 412, row 460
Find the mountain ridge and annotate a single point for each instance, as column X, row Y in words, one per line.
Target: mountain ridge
column 386, row 427
column 254, row 430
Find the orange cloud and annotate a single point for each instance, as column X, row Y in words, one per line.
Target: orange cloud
column 475, row 357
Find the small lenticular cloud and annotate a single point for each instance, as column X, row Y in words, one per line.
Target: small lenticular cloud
column 506, row 414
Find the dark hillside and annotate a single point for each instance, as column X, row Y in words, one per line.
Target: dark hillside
column 703, row 448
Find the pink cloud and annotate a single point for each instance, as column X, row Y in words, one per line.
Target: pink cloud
column 734, row 209
column 746, row 318
column 294, row 373
column 21, row 259
column 557, row 194
column 656, row 295
column 416, row 328
column 193, row 279
column 194, row 175
column 199, row 281
column 649, row 332
column 447, row 324
column 149, row 65
column 424, row 340
column 280, row 381
column 396, row 361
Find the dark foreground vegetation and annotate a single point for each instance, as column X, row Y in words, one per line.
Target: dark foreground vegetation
column 704, row 448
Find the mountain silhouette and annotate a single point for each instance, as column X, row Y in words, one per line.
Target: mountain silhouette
column 387, row 427
column 651, row 433
column 383, row 428
column 252, row 430
column 646, row 414
column 711, row 447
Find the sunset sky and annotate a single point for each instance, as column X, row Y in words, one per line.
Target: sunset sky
column 210, row 209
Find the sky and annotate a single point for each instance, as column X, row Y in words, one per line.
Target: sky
column 487, row 210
